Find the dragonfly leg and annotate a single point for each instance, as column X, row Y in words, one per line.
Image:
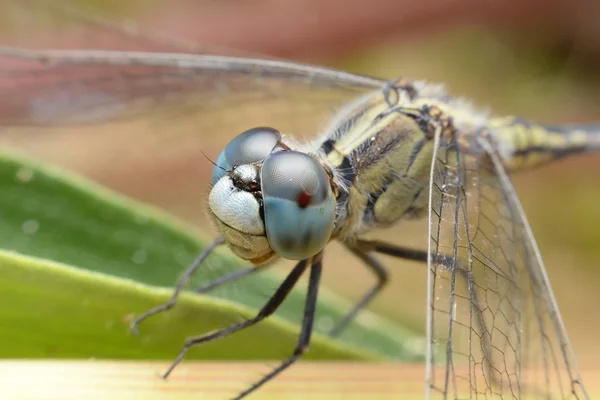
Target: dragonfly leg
column 382, row 278
column 361, row 249
column 269, row 308
column 180, row 286
column 231, row 277
column 420, row 255
column 306, row 329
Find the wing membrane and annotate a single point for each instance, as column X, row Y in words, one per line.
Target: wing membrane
column 136, row 121
column 69, row 85
column 494, row 327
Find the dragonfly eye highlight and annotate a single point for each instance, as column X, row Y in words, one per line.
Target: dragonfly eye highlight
column 298, row 203
column 248, row 147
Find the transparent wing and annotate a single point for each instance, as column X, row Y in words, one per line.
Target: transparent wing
column 493, row 324
column 136, row 121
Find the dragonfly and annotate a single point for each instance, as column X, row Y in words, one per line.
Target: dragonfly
column 388, row 152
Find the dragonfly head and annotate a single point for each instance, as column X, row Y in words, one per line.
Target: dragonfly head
column 268, row 200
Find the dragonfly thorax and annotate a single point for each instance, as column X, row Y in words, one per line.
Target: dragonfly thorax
column 277, row 202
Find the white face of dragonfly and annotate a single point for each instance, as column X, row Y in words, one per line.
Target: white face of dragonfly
column 268, row 200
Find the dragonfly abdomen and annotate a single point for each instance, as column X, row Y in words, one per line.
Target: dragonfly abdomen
column 526, row 144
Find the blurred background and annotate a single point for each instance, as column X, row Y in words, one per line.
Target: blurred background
column 536, row 59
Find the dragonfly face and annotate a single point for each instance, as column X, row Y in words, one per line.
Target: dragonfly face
column 269, row 201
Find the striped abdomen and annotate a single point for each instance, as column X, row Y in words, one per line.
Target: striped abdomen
column 526, row 144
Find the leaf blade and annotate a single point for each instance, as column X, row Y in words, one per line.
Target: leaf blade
column 53, row 215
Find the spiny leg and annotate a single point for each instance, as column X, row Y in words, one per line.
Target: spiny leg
column 361, row 249
column 180, row 286
column 382, row 278
column 392, row 250
column 421, row 255
column 369, row 260
column 229, row 277
column 307, row 326
column 232, row 276
column 274, row 302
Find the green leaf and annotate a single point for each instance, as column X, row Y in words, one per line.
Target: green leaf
column 81, row 259
column 60, row 311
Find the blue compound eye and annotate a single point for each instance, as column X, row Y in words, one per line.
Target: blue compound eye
column 248, row 147
column 298, row 204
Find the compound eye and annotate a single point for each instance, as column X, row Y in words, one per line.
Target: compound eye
column 248, row 147
column 299, row 206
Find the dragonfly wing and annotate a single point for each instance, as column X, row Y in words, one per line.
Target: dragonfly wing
column 59, row 87
column 494, row 328
column 136, row 121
